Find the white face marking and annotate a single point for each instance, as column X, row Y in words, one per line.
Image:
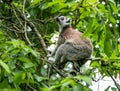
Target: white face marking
column 63, row 21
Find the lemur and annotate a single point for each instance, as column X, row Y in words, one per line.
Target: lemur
column 71, row 45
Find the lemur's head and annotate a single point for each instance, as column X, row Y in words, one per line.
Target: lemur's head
column 63, row 21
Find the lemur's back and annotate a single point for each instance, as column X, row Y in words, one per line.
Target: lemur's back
column 75, row 38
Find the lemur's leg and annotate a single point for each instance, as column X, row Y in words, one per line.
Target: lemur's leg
column 63, row 62
column 58, row 55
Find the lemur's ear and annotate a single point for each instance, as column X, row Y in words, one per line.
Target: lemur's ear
column 70, row 19
column 57, row 16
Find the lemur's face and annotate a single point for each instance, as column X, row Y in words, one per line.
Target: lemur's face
column 63, row 21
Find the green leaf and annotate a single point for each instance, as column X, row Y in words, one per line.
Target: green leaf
column 108, row 48
column 15, row 43
column 9, row 89
column 29, row 50
column 2, row 37
column 67, row 81
column 54, row 86
column 49, row 4
column 57, row 7
column 4, row 85
column 88, row 80
column 28, row 65
column 95, row 64
column 44, row 89
column 114, row 89
column 91, row 27
column 102, row 8
column 78, row 87
column 113, row 6
column 5, row 66
column 116, row 64
column 108, row 44
column 1, row 33
column 24, row 59
column 15, row 51
column 112, row 19
column 39, row 78
column 84, row 12
column 33, row 52
column 35, row 2
column 19, row 76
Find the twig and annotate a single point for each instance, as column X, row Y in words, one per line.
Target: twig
column 25, row 33
column 24, row 1
column 93, row 58
column 10, row 29
column 98, row 58
column 15, row 13
column 31, row 88
column 5, row 18
column 25, row 30
column 116, row 84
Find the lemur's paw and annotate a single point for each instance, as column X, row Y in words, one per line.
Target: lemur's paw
column 51, row 59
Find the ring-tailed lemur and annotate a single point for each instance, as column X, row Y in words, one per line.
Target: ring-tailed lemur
column 71, row 46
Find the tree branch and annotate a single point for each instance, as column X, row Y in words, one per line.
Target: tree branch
column 25, row 25
column 56, row 69
column 32, row 26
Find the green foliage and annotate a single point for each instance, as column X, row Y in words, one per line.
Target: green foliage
column 21, row 51
column 18, row 65
column 69, row 83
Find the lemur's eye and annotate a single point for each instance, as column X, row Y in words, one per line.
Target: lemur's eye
column 62, row 18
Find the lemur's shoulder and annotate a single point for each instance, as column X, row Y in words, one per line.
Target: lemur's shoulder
column 71, row 31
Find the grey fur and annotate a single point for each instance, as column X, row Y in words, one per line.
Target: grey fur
column 71, row 46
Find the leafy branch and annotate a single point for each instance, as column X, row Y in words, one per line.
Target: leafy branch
column 32, row 27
